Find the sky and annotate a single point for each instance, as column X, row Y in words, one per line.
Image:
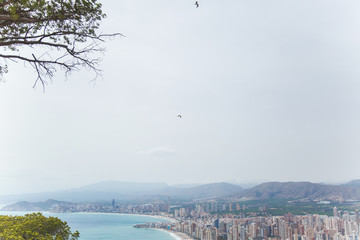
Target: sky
column 268, row 90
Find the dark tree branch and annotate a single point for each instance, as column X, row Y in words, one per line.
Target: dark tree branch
column 61, row 26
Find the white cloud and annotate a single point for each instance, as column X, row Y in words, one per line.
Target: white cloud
column 157, row 151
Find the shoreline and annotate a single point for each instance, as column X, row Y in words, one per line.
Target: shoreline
column 154, row 216
column 174, row 234
column 106, row 213
column 110, row 213
column 136, row 214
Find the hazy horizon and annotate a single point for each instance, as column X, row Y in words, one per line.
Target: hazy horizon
column 179, row 185
column 267, row 90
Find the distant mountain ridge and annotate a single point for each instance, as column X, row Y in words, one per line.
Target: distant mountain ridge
column 354, row 183
column 34, row 206
column 211, row 190
column 299, row 190
column 121, row 187
column 105, row 191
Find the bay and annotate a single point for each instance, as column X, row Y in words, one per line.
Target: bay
column 103, row 226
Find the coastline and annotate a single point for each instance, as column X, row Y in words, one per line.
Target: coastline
column 154, row 216
column 128, row 214
column 175, row 235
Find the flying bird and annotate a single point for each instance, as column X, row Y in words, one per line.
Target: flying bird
column 179, row 116
column 196, row 4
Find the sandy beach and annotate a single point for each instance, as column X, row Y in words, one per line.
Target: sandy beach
column 160, row 217
column 176, row 235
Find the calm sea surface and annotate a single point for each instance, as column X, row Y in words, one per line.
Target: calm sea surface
column 97, row 226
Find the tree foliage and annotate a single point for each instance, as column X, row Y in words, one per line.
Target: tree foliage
column 51, row 35
column 35, row 226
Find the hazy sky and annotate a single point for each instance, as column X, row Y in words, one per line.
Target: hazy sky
column 269, row 90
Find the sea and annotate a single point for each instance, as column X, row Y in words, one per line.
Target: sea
column 104, row 226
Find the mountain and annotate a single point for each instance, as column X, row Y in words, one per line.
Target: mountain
column 354, row 183
column 35, row 206
column 299, row 190
column 216, row 190
column 121, row 187
column 185, row 185
column 102, row 191
column 211, row 190
column 129, row 191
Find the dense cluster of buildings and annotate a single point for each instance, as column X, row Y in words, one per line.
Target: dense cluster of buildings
column 203, row 221
column 154, row 208
column 288, row 227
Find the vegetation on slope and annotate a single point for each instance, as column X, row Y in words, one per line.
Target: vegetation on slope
column 35, row 226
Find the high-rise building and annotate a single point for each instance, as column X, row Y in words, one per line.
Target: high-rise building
column 113, row 203
column 282, row 229
column 242, row 233
column 235, row 233
column 216, row 223
column 335, row 212
column 168, row 205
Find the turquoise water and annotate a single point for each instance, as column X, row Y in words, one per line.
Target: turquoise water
column 97, row 226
